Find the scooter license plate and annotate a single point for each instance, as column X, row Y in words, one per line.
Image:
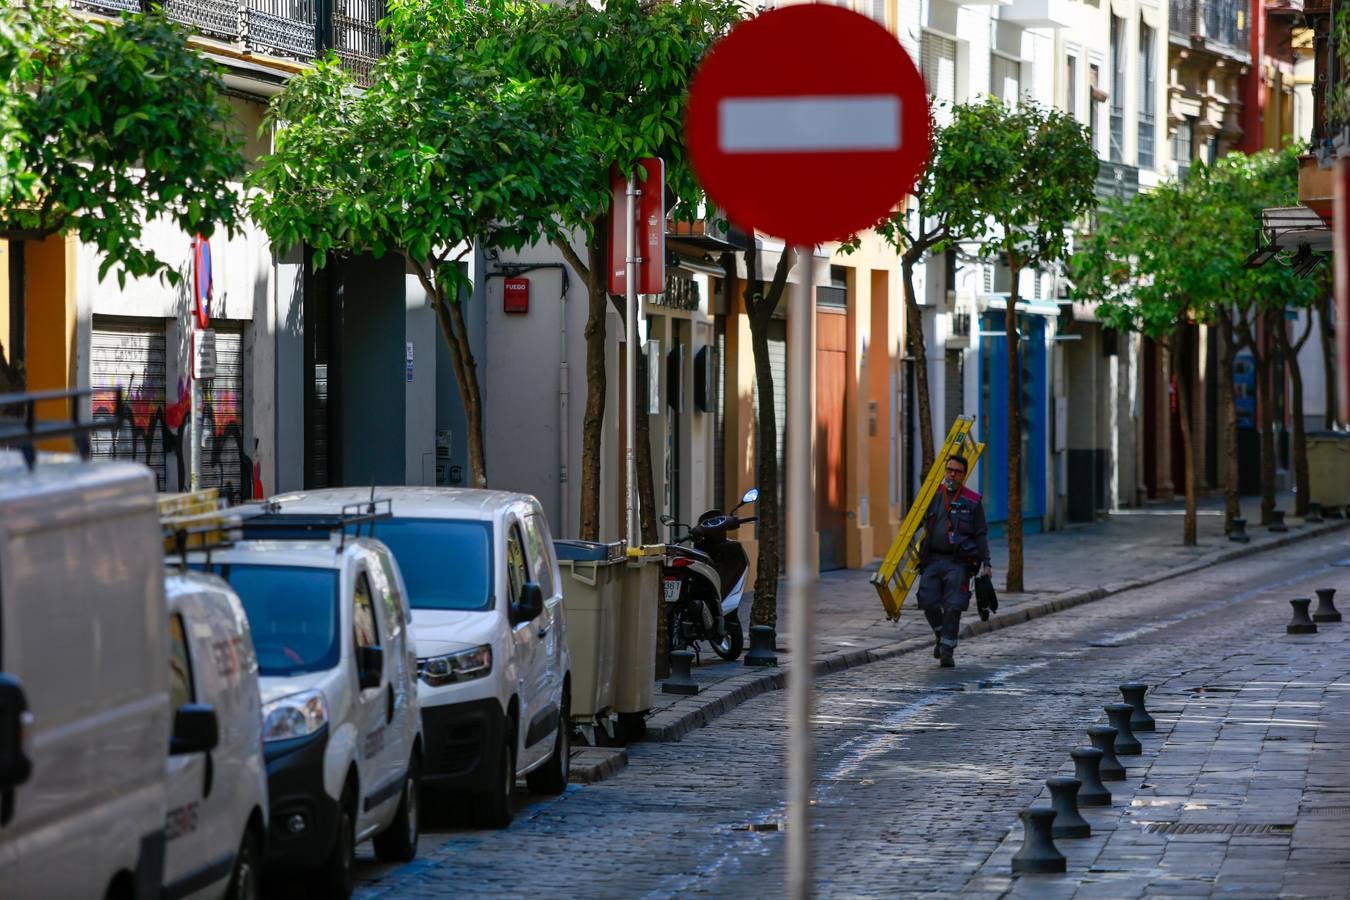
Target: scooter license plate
column 672, row 590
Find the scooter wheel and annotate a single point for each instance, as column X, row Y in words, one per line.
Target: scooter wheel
column 732, row 643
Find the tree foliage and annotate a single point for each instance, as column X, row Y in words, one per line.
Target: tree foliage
column 106, row 126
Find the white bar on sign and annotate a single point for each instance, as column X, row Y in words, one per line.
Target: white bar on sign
column 851, row 123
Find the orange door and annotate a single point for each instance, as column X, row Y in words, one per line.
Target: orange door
column 831, row 387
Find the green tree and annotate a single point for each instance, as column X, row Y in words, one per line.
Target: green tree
column 1029, row 171
column 630, row 63
column 106, row 127
column 443, row 151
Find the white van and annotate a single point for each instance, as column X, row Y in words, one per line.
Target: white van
column 341, row 731
column 216, row 822
column 495, row 676
column 85, row 717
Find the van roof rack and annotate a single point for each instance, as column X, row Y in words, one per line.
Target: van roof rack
column 274, row 522
column 26, row 430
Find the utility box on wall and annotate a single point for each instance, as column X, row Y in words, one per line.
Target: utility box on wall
column 516, row 295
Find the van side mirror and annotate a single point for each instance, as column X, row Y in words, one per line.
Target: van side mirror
column 530, row 605
column 15, row 767
column 369, row 667
column 195, row 729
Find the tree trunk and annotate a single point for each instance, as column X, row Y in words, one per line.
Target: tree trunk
column 593, row 420
column 918, row 350
column 1232, row 503
column 646, row 487
column 1014, row 525
column 1328, row 337
column 1265, row 402
column 1181, row 371
column 1290, row 351
column 450, row 317
column 764, row 611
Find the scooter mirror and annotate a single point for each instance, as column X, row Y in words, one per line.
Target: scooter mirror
column 751, row 496
column 667, row 520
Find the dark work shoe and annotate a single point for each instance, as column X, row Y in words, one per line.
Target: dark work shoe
column 947, row 661
column 937, row 647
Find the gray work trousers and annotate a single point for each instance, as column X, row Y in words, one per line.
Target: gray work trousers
column 944, row 593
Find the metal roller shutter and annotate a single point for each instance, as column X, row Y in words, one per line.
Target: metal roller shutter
column 129, row 356
column 225, row 462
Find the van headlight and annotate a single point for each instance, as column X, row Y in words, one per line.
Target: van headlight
column 294, row 716
column 465, row 665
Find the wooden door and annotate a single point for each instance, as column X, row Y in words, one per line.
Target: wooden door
column 831, row 389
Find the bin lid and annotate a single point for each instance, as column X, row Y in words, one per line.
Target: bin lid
column 588, row 551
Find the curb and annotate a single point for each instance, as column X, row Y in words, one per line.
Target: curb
column 592, row 764
column 673, row 724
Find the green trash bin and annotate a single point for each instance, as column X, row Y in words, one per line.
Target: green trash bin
column 1329, row 468
column 592, row 576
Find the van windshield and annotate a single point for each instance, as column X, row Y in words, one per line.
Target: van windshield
column 292, row 612
column 446, row 563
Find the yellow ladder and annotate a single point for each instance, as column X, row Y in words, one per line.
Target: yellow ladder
column 900, row 569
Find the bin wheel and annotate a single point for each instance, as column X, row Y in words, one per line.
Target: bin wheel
column 552, row 776
column 632, row 727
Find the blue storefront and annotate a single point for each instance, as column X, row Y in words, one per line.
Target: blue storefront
column 993, row 418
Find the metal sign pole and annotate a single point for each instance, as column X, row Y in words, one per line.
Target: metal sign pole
column 630, row 359
column 801, row 575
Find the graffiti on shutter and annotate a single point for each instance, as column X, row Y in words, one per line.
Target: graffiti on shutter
column 129, row 357
column 225, row 463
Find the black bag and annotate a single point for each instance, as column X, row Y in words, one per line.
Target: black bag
column 986, row 601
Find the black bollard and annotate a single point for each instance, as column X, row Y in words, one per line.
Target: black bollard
column 1103, row 737
column 1238, row 534
column 1314, row 513
column 1140, row 720
column 762, row 651
column 681, row 680
column 1064, row 798
column 1300, row 623
column 1277, row 521
column 1038, row 853
column 1326, row 610
column 1087, row 763
column 1118, row 714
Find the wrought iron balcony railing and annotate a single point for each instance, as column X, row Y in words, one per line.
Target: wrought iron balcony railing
column 1221, row 23
column 299, row 29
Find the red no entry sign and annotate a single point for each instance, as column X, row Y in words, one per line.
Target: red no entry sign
column 808, row 122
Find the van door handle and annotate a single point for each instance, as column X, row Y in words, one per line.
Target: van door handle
column 209, row 777
column 389, row 705
column 543, row 630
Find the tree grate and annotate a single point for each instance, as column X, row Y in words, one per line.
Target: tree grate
column 1215, row 828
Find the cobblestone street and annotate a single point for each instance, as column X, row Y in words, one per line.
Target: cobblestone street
column 922, row 771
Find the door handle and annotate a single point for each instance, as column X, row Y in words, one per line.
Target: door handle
column 389, row 705
column 543, row 630
column 209, row 776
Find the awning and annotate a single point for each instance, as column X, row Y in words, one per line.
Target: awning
column 1287, row 227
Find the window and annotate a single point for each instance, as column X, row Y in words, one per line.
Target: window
column 180, row 665
column 446, row 563
column 1183, row 145
column 1146, row 92
column 1071, row 85
column 1095, row 95
column 396, row 605
column 534, row 536
column 517, row 573
column 1005, row 77
column 938, row 61
column 292, row 612
column 1118, row 63
column 364, row 631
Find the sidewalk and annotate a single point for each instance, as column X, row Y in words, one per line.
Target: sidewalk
column 1062, row 569
column 1243, row 790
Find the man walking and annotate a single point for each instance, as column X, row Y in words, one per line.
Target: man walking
column 955, row 547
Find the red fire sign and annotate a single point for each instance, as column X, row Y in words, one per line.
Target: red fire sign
column 516, row 295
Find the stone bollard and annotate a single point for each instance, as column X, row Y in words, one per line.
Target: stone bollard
column 1326, row 610
column 762, row 651
column 1118, row 714
column 1064, row 798
column 1087, row 763
column 1300, row 623
column 1103, row 737
column 1277, row 521
column 1140, row 720
column 681, row 680
column 1239, row 533
column 1314, row 513
column 1038, row 853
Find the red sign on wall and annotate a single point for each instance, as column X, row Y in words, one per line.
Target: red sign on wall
column 651, row 229
column 516, row 295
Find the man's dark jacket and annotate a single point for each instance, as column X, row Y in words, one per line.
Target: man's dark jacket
column 968, row 529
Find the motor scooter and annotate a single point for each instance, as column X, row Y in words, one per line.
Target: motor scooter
column 703, row 580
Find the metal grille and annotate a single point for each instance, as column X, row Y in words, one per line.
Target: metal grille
column 1324, row 812
column 224, row 461
column 1226, row 23
column 356, row 39
column 1181, row 17
column 1214, row 828
column 130, row 357
column 287, row 27
column 108, row 6
column 214, row 17
column 1145, row 140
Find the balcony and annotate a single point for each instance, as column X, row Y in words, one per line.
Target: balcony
column 1116, row 180
column 294, row 29
column 1040, row 13
column 1219, row 25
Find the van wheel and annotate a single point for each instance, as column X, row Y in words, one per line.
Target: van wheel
column 244, row 879
column 493, row 809
column 398, row 842
column 335, row 875
column 551, row 777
